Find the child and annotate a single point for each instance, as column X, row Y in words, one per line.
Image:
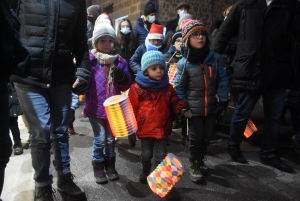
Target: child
column 154, row 101
column 109, row 76
column 200, row 77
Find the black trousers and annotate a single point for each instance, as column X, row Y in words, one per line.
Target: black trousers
column 14, row 128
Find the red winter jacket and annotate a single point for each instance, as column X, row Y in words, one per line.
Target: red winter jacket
column 154, row 110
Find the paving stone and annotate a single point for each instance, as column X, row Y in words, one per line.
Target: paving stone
column 246, row 168
column 295, row 186
column 257, row 174
column 286, row 179
column 274, row 172
column 279, row 186
column 291, row 194
column 267, row 179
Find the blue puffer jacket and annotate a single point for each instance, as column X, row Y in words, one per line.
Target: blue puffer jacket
column 139, row 31
column 198, row 85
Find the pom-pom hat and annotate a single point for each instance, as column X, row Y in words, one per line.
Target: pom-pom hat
column 156, row 32
column 150, row 58
column 103, row 27
column 189, row 26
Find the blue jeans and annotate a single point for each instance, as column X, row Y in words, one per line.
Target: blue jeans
column 5, row 141
column 74, row 101
column 273, row 101
column 47, row 112
column 149, row 145
column 104, row 141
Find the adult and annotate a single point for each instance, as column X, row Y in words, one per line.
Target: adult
column 261, row 67
column 14, row 58
column 93, row 12
column 143, row 24
column 181, row 8
column 55, row 36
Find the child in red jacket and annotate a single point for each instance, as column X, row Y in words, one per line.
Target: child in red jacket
column 154, row 102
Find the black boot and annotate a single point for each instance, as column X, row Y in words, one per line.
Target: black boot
column 99, row 173
column 68, row 190
column 203, row 168
column 18, row 149
column 236, row 154
column 195, row 172
column 146, row 165
column 110, row 168
column 44, row 193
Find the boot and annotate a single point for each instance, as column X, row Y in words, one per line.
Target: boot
column 146, row 165
column 99, row 173
column 236, row 154
column 195, row 172
column 68, row 190
column 44, row 193
column 110, row 168
column 204, row 169
column 18, row 149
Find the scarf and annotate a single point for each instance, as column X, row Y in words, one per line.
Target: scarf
column 108, row 60
column 198, row 55
column 152, row 85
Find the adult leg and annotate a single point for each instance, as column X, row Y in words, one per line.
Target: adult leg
column 147, row 145
column 14, row 128
column 5, row 141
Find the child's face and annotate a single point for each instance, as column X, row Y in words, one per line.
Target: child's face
column 178, row 43
column 105, row 44
column 156, row 72
column 197, row 39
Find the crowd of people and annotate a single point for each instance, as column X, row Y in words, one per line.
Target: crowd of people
column 68, row 50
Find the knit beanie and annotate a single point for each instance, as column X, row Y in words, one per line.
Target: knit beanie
column 149, row 9
column 175, row 36
column 95, row 10
column 183, row 17
column 189, row 26
column 182, row 4
column 156, row 31
column 103, row 27
column 150, row 58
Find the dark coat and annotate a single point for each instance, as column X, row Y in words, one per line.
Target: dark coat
column 262, row 54
column 54, row 36
column 172, row 24
column 14, row 104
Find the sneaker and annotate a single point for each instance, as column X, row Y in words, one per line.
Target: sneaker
column 274, row 161
column 195, row 172
column 236, row 154
column 68, row 189
column 296, row 144
column 71, row 129
column 18, row 149
column 203, row 168
column 44, row 193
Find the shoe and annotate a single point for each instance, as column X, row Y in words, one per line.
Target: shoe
column 110, row 168
column 68, row 190
column 196, row 175
column 274, row 161
column 44, row 193
column 18, row 149
column 203, row 168
column 296, row 144
column 71, row 129
column 99, row 173
column 236, row 154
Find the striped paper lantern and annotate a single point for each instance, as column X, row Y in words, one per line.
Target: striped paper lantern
column 250, row 129
column 172, row 73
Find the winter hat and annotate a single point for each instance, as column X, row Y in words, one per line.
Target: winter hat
column 149, row 9
column 95, row 10
column 175, row 36
column 189, row 26
column 103, row 27
column 150, row 58
column 182, row 4
column 183, row 17
column 156, row 31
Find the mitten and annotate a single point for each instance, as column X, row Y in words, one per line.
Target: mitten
column 83, row 75
column 132, row 139
column 219, row 111
column 119, row 76
column 187, row 113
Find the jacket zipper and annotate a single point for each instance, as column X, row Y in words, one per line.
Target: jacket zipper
column 205, row 90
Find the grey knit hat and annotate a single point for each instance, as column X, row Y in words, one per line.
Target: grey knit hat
column 95, row 10
column 103, row 27
column 183, row 17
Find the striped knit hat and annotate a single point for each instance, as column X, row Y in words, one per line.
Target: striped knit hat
column 150, row 58
column 189, row 26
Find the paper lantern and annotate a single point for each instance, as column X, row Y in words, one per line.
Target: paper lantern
column 250, row 129
column 172, row 73
column 166, row 175
column 120, row 115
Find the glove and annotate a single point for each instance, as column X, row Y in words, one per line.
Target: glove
column 119, row 76
column 219, row 111
column 83, row 76
column 187, row 113
column 132, row 139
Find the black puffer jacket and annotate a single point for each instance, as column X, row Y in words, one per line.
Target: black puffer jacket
column 262, row 54
column 54, row 32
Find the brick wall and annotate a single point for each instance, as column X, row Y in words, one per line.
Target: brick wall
column 206, row 10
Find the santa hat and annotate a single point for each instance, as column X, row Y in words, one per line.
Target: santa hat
column 103, row 27
column 189, row 26
column 156, row 32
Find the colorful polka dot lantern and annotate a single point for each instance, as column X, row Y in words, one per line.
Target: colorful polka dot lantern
column 250, row 129
column 120, row 115
column 166, row 175
column 172, row 73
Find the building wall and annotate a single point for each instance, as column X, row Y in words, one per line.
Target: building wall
column 207, row 11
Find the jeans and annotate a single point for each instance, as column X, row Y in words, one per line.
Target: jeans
column 47, row 112
column 200, row 131
column 150, row 144
column 104, row 141
column 273, row 101
column 5, row 141
column 74, row 101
